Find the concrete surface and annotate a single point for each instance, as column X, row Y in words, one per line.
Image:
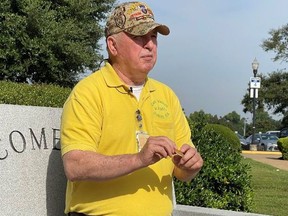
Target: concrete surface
column 183, row 210
column 268, row 157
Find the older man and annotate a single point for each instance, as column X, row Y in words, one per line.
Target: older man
column 124, row 135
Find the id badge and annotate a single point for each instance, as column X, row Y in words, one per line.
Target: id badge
column 141, row 138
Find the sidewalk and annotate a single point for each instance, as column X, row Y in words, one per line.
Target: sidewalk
column 268, row 157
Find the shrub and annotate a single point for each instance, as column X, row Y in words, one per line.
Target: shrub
column 227, row 133
column 223, row 182
column 33, row 95
column 283, row 147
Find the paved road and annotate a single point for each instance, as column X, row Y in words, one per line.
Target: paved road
column 271, row 158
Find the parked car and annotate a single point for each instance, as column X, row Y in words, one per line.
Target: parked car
column 283, row 133
column 276, row 132
column 264, row 141
column 243, row 142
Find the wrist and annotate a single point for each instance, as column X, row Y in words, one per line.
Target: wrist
column 138, row 160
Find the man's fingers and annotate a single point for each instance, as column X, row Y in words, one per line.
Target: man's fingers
column 178, row 152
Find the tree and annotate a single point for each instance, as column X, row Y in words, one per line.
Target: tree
column 263, row 121
column 231, row 120
column 50, row 41
column 276, row 92
column 201, row 116
column 247, row 102
column 278, row 43
column 273, row 94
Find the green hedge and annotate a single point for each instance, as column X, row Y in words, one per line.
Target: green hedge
column 283, row 147
column 33, row 95
column 227, row 134
column 224, row 181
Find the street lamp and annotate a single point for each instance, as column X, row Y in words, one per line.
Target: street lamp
column 255, row 66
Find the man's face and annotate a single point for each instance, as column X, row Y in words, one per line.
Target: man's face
column 137, row 54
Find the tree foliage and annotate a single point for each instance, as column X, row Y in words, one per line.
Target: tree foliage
column 278, row 43
column 50, row 41
column 231, row 120
column 275, row 89
column 273, row 94
column 234, row 121
column 272, row 97
column 201, row 116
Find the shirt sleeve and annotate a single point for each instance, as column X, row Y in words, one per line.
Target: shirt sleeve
column 80, row 125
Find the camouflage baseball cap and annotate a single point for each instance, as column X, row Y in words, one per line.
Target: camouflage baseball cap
column 135, row 18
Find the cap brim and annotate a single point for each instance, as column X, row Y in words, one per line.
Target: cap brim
column 163, row 29
column 144, row 28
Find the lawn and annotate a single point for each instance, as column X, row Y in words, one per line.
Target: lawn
column 270, row 187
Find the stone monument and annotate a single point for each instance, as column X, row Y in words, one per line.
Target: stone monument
column 32, row 178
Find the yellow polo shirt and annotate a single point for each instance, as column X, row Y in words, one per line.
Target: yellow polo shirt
column 100, row 116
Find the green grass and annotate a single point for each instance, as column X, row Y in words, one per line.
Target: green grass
column 270, row 186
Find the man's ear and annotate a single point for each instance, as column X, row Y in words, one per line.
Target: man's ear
column 112, row 45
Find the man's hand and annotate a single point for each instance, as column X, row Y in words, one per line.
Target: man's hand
column 188, row 166
column 156, row 148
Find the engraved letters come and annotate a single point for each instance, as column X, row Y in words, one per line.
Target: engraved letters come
column 30, row 140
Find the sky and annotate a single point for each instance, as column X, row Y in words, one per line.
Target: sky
column 207, row 57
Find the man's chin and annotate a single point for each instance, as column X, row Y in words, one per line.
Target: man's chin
column 148, row 66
